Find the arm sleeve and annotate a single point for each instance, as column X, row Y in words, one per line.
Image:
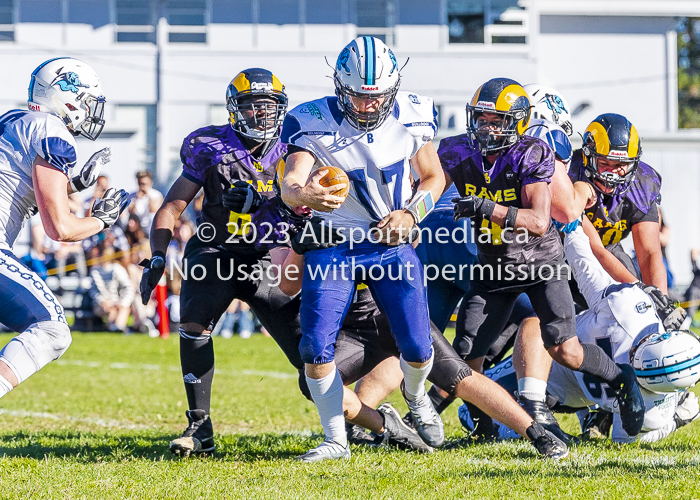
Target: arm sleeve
column 537, row 164
column 54, row 143
column 651, row 216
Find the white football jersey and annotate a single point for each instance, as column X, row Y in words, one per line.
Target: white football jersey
column 25, row 134
column 377, row 162
column 619, row 315
column 552, row 134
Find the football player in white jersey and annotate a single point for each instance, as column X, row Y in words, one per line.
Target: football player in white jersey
column 37, row 160
column 622, row 320
column 376, row 134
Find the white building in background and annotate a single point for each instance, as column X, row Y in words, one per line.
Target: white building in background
column 165, row 65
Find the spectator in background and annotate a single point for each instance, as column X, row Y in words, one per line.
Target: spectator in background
column 238, row 314
column 182, row 233
column 146, row 201
column 112, row 291
column 139, row 250
column 664, row 238
column 101, row 186
column 692, row 294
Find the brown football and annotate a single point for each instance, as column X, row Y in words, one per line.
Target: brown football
column 336, row 175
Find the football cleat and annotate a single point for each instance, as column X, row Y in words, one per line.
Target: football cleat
column 541, row 413
column 546, row 443
column 328, row 450
column 397, row 433
column 358, row 435
column 631, row 402
column 597, row 425
column 198, row 438
column 428, row 423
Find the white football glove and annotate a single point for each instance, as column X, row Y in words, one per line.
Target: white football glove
column 687, row 410
column 110, row 206
column 91, row 170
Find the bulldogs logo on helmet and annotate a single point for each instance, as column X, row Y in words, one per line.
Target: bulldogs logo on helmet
column 256, row 102
column 366, row 68
column 71, row 90
column 503, row 97
column 667, row 362
column 614, row 138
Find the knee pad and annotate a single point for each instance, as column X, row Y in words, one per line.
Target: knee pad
column 36, row 347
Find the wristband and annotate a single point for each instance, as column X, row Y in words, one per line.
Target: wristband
column 486, row 209
column 421, row 205
column 512, row 214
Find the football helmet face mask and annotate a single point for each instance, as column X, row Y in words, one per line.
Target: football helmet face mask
column 613, row 138
column 71, row 90
column 367, row 70
column 667, row 362
column 548, row 104
column 256, row 102
column 508, row 100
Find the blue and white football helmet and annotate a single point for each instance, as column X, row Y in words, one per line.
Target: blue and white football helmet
column 71, row 90
column 366, row 68
column 550, row 105
column 667, row 362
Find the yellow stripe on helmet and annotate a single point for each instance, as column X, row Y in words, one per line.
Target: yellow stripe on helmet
column 633, row 146
column 475, row 99
column 241, row 82
column 276, row 84
column 508, row 96
column 600, row 136
column 280, row 171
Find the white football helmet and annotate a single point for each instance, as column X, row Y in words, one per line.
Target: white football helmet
column 550, row 105
column 71, row 90
column 667, row 362
column 366, row 68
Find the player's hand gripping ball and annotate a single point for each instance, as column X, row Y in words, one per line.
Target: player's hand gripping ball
column 335, row 176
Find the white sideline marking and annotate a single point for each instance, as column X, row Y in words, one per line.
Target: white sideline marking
column 96, row 421
column 129, row 366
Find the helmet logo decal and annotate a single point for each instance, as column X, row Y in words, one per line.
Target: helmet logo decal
column 370, row 87
column 485, row 104
column 618, row 154
column 555, row 103
column 69, row 81
column 343, row 60
column 395, row 65
column 261, row 85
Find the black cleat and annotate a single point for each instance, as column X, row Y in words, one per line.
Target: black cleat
column 358, row 435
column 546, row 443
column 631, row 402
column 198, row 438
column 541, row 413
column 397, row 433
column 596, row 425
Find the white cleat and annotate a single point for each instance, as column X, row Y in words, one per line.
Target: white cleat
column 328, row 450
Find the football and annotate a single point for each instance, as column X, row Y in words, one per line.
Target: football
column 336, row 175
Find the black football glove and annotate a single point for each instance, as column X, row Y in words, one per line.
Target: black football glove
column 242, row 198
column 110, row 206
column 470, row 206
column 672, row 316
column 152, row 273
column 316, row 235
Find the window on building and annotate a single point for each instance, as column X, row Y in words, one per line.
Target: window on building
column 377, row 18
column 188, row 21
column 486, row 21
column 135, row 20
column 7, row 20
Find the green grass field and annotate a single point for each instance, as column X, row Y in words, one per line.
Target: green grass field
column 96, row 424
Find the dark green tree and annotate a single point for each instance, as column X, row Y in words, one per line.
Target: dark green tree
column 689, row 73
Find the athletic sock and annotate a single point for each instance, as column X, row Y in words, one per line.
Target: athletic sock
column 533, row 389
column 197, row 361
column 5, row 386
column 327, row 393
column 440, row 402
column 414, row 378
column 599, row 365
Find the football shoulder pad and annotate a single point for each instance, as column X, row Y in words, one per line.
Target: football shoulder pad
column 417, row 113
column 313, row 118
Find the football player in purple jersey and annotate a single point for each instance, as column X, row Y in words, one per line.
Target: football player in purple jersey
column 235, row 165
column 503, row 179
